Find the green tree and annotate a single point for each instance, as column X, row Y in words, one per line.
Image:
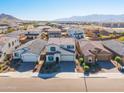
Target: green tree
column 81, row 60
column 118, row 59
column 86, row 67
column 10, row 30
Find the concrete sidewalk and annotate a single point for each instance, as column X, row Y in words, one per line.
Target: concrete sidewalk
column 17, row 74
column 64, row 75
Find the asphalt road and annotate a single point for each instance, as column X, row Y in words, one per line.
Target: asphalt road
column 61, row 85
column 105, row 85
column 41, row 85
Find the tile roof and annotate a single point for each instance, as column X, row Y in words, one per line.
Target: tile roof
column 61, row 41
column 37, row 46
column 114, row 46
column 88, row 46
column 15, row 33
column 4, row 39
column 34, row 46
column 54, row 30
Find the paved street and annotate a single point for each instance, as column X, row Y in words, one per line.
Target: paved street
column 37, row 84
column 63, row 75
column 61, row 85
column 105, row 85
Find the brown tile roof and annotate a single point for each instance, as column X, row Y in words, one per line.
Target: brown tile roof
column 88, row 46
column 114, row 46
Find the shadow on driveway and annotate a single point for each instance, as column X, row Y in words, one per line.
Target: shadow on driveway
column 47, row 76
column 63, row 67
column 105, row 65
column 24, row 67
column 67, row 66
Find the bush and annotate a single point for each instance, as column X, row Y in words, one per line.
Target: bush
column 86, row 67
column 81, row 60
column 10, row 30
column 121, row 39
column 118, row 59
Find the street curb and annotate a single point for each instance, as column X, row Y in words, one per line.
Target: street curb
column 4, row 76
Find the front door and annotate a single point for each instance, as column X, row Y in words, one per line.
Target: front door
column 57, row 59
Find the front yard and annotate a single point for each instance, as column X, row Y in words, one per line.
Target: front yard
column 99, row 66
column 107, row 67
column 58, row 67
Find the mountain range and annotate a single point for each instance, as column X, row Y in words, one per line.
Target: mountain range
column 5, row 18
column 95, row 18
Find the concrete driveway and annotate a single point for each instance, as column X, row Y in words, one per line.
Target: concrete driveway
column 67, row 66
column 24, row 67
column 107, row 66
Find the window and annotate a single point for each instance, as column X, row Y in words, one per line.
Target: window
column 50, row 58
column 12, row 43
column 62, row 46
column 52, row 49
column 16, row 55
column 9, row 45
column 70, row 46
column 4, row 54
column 0, row 54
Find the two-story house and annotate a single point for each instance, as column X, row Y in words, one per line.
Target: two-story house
column 75, row 33
column 30, row 51
column 60, row 49
column 54, row 33
column 7, row 46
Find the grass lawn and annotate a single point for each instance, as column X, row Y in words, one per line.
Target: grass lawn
column 121, row 39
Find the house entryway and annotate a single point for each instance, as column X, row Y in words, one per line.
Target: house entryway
column 57, row 60
column 90, row 60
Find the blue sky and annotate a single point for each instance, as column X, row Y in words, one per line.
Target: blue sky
column 54, row 9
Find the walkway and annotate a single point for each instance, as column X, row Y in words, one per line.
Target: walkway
column 64, row 75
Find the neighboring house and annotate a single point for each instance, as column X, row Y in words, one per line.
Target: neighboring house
column 93, row 51
column 7, row 46
column 30, row 52
column 33, row 33
column 75, row 33
column 19, row 34
column 115, row 47
column 60, row 49
column 54, row 33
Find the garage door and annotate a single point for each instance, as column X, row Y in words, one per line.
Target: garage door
column 67, row 58
column 29, row 58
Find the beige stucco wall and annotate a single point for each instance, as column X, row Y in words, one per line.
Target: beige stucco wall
column 86, row 58
column 104, row 57
column 123, row 59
